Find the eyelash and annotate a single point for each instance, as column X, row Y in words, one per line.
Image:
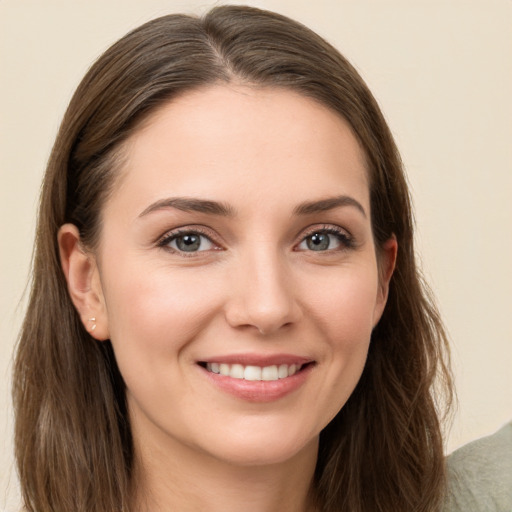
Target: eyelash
column 346, row 241
column 170, row 237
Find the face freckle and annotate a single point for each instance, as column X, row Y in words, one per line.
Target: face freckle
column 239, row 273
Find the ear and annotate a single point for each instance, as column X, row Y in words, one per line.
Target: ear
column 84, row 285
column 386, row 261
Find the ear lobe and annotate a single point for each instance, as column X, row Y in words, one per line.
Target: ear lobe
column 84, row 285
column 387, row 261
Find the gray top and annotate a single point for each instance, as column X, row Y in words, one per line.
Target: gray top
column 480, row 475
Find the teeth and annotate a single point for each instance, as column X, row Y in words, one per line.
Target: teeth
column 252, row 373
column 283, row 371
column 237, row 371
column 267, row 373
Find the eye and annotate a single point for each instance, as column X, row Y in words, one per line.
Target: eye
column 326, row 239
column 187, row 241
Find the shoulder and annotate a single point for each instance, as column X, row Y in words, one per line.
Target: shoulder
column 480, row 475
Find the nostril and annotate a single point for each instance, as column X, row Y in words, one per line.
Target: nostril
column 269, row 329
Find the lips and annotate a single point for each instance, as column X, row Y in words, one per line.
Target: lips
column 257, row 378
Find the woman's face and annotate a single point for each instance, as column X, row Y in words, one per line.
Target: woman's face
column 239, row 241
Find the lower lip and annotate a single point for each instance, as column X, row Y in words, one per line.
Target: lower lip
column 259, row 390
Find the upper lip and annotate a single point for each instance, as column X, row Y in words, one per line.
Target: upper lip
column 258, row 359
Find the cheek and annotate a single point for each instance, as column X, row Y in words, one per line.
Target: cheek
column 344, row 313
column 343, row 305
column 154, row 314
column 154, row 317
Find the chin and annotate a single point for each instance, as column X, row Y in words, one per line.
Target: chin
column 261, row 449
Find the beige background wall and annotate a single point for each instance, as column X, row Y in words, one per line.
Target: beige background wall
column 442, row 71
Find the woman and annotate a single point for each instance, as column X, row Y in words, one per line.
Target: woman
column 225, row 309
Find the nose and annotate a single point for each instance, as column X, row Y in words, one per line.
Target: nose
column 263, row 296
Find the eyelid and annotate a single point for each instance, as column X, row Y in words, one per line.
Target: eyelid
column 172, row 234
column 347, row 238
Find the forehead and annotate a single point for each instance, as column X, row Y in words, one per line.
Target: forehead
column 243, row 143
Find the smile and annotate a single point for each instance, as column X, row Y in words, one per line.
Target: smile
column 254, row 373
column 258, row 378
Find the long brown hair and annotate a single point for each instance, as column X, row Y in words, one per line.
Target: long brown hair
column 383, row 451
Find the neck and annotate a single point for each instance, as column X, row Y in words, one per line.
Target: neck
column 170, row 476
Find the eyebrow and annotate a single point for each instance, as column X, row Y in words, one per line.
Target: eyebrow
column 330, row 203
column 189, row 204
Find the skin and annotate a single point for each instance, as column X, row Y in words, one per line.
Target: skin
column 255, row 287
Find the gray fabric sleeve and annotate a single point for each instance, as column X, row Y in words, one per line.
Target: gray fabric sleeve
column 480, row 475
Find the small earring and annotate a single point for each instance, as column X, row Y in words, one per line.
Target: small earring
column 93, row 319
